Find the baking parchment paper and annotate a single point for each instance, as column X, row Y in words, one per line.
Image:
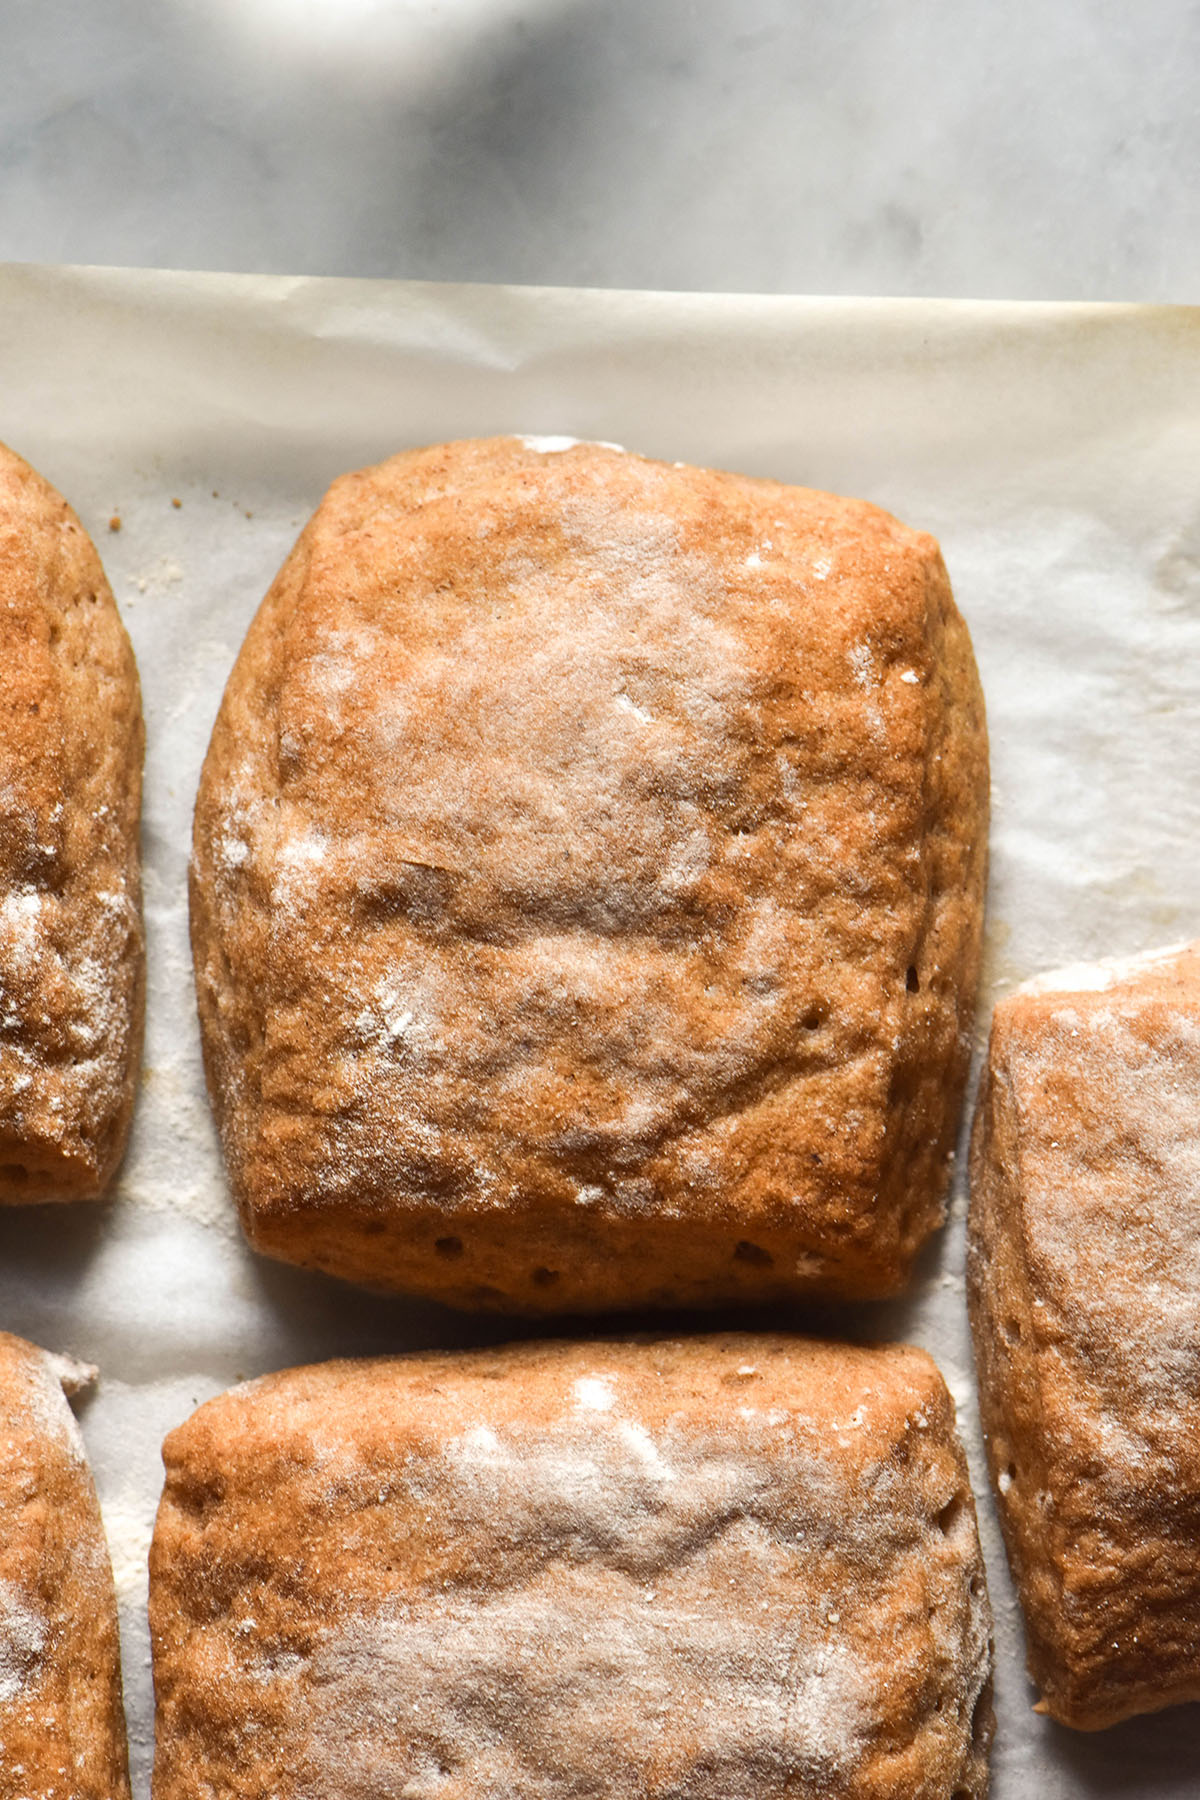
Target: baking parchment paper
column 1054, row 450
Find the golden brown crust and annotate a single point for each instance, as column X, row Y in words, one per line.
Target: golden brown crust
column 729, row 1566
column 62, row 1730
column 1085, row 1304
column 587, row 888
column 72, row 976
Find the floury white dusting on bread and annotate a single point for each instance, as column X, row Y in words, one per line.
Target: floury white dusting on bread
column 20, row 918
column 45, row 1384
column 43, row 954
column 1093, row 977
column 23, row 1635
column 555, row 446
column 593, row 1393
column 234, row 851
column 401, row 1018
column 299, row 858
column 765, row 1703
column 1134, row 1273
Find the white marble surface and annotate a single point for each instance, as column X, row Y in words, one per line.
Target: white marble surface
column 953, row 147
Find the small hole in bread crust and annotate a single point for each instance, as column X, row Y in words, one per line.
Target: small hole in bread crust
column 545, row 1277
column 912, row 980
column 979, row 1714
column 812, row 1020
column 753, row 1253
column 448, row 1246
column 947, row 1519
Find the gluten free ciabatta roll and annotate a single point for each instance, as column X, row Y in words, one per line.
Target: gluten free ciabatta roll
column 62, row 1728
column 587, row 890
column 1084, row 1272
column 726, row 1567
column 72, row 960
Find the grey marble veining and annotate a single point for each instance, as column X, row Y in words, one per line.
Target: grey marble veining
column 950, row 147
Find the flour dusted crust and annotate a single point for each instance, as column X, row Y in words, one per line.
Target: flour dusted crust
column 71, row 946
column 62, row 1730
column 587, row 887
column 732, row 1567
column 1085, row 1299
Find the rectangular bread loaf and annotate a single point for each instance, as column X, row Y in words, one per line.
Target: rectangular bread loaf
column 732, row 1566
column 1085, row 1303
column 72, row 949
column 588, row 886
column 62, row 1729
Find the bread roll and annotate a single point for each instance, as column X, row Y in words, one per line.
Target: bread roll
column 62, row 1730
column 1085, row 1302
column 72, row 975
column 730, row 1566
column 587, row 890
